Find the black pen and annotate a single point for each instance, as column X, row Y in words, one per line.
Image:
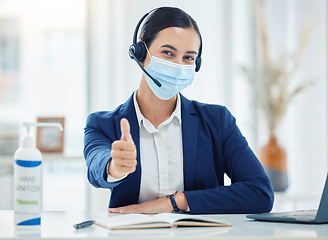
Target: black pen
column 84, row 224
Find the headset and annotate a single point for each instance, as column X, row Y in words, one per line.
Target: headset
column 138, row 51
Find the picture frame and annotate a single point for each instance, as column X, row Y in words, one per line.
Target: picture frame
column 50, row 139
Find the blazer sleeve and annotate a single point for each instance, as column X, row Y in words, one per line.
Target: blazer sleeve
column 250, row 190
column 97, row 151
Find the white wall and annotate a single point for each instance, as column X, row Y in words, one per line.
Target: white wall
column 52, row 64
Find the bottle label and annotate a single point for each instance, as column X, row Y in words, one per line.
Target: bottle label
column 28, row 192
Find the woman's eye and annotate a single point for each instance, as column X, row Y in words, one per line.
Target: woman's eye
column 168, row 53
column 189, row 58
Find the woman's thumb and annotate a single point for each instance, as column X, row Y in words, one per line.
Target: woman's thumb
column 125, row 130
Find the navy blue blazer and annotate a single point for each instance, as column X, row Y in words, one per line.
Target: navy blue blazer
column 212, row 146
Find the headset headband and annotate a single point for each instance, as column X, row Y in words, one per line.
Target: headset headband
column 136, row 30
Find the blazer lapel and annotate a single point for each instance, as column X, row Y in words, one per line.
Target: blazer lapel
column 190, row 123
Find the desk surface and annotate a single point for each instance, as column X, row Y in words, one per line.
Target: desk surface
column 59, row 225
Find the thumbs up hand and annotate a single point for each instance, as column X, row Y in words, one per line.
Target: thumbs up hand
column 124, row 153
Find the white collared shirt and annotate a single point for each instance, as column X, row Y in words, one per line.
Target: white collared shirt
column 161, row 155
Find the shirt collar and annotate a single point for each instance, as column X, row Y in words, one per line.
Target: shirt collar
column 176, row 113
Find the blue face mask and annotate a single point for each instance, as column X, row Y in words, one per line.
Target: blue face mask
column 173, row 77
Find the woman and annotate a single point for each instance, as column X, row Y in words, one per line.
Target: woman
column 160, row 152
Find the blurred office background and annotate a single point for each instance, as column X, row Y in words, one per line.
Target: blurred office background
column 68, row 58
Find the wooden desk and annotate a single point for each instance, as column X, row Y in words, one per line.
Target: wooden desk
column 59, row 225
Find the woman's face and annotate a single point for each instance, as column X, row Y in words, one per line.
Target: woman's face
column 174, row 44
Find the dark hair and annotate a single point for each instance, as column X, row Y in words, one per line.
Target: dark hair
column 165, row 17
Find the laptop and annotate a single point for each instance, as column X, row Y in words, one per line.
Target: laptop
column 301, row 216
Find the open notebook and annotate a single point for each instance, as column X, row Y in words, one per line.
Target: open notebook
column 303, row 216
column 161, row 220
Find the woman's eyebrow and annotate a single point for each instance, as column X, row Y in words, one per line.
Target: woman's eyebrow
column 192, row 52
column 169, row 46
column 174, row 49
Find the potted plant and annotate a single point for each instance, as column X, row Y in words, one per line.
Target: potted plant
column 273, row 91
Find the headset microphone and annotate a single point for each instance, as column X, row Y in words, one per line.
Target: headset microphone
column 137, row 51
column 132, row 55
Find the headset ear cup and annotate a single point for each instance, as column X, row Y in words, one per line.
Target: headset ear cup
column 135, row 48
column 198, row 63
column 139, row 51
column 143, row 51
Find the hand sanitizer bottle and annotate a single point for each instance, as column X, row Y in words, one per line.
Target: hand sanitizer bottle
column 28, row 181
